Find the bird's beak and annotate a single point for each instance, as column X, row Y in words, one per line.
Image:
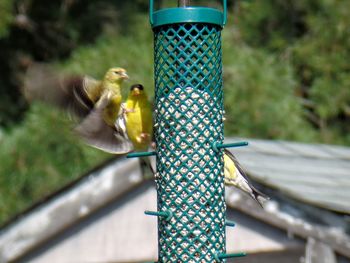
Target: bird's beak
column 136, row 92
column 124, row 75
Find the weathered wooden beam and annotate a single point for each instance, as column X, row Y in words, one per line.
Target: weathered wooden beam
column 95, row 191
column 337, row 240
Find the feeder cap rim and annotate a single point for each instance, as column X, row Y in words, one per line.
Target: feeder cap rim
column 178, row 15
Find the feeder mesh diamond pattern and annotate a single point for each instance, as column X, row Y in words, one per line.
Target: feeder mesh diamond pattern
column 188, row 120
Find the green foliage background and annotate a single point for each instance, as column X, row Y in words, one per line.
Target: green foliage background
column 286, row 76
column 6, row 16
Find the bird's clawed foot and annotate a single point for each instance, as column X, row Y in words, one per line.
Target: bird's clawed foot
column 129, row 110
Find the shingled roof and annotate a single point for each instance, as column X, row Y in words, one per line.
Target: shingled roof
column 312, row 173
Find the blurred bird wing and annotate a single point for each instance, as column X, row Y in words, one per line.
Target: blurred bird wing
column 42, row 82
column 97, row 133
column 74, row 93
column 93, row 88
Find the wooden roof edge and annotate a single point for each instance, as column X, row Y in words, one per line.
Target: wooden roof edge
column 334, row 238
column 47, row 198
column 69, row 207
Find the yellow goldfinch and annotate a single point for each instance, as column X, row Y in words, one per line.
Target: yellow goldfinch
column 235, row 176
column 96, row 102
column 138, row 118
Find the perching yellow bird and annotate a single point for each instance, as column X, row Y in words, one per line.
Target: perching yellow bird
column 235, row 176
column 97, row 103
column 138, row 118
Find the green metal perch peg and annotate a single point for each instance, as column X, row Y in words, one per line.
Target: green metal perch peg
column 166, row 214
column 188, row 117
column 230, row 223
column 217, row 145
column 233, row 255
column 140, row 154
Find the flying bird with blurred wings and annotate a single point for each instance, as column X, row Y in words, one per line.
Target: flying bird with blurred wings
column 96, row 103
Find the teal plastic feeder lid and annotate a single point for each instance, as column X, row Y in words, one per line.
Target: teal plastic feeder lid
column 187, row 15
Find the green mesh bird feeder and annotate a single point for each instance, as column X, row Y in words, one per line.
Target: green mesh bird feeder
column 188, row 132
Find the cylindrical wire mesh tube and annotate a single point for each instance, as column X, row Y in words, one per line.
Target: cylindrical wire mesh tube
column 188, row 120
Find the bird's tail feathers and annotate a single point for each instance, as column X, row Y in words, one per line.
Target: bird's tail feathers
column 148, row 166
column 260, row 197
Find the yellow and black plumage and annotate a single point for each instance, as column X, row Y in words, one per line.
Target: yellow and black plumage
column 235, row 176
column 138, row 118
